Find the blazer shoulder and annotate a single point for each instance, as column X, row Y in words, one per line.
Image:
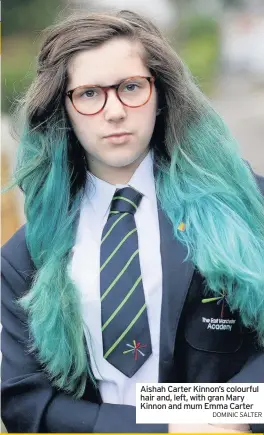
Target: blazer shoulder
column 15, row 245
column 15, row 257
column 260, row 182
column 259, row 178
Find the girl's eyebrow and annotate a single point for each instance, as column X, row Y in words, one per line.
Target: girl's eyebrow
column 117, row 82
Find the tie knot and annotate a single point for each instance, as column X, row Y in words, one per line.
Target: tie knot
column 126, row 200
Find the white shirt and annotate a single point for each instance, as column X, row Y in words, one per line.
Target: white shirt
column 84, row 268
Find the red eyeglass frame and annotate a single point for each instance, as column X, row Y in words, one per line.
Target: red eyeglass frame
column 151, row 80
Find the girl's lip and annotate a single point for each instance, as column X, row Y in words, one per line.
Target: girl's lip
column 118, row 139
column 117, row 134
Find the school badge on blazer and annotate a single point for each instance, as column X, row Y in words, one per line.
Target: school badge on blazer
column 212, row 327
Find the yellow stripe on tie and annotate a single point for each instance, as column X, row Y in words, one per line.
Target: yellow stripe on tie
column 204, row 301
column 122, row 303
column 106, row 355
column 114, row 224
column 125, row 199
column 182, row 226
column 119, row 275
column 116, row 249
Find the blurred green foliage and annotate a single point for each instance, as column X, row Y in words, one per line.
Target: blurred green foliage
column 197, row 26
column 27, row 16
column 23, row 21
column 197, row 40
column 201, row 50
column 18, row 68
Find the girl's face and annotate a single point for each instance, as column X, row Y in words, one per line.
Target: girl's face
column 111, row 63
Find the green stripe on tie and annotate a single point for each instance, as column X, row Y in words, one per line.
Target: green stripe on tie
column 114, row 224
column 125, row 199
column 106, row 355
column 122, row 303
column 116, row 249
column 119, row 275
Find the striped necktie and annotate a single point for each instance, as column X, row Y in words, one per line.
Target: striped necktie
column 125, row 328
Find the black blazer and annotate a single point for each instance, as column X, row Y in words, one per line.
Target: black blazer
column 189, row 351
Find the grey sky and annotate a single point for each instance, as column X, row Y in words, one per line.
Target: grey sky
column 160, row 11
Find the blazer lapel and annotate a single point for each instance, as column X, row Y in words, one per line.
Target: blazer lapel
column 177, row 276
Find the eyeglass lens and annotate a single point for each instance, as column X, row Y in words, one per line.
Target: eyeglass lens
column 132, row 92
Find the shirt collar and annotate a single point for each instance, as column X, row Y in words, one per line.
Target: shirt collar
column 100, row 193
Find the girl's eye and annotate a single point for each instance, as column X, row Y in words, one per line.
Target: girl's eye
column 88, row 93
column 131, row 86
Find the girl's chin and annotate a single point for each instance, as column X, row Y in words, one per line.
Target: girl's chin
column 128, row 159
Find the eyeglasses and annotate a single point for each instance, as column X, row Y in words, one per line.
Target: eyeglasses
column 132, row 92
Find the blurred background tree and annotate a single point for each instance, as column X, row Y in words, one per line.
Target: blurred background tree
column 233, row 3
column 27, row 16
column 22, row 21
column 196, row 37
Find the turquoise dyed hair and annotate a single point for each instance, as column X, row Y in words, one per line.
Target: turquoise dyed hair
column 201, row 180
column 52, row 213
